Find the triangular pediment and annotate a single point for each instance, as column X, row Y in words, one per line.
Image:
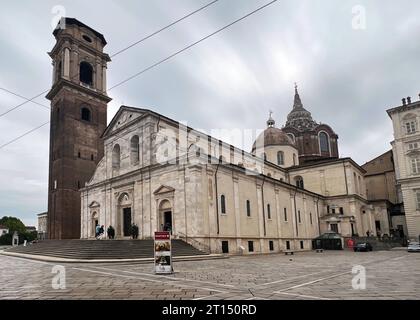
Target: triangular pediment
column 123, row 117
column 164, row 189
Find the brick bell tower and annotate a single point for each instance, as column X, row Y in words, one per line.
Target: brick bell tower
column 78, row 119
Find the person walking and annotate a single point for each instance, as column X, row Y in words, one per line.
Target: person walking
column 97, row 230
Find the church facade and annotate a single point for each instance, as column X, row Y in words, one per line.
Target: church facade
column 158, row 174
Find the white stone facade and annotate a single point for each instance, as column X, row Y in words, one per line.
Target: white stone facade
column 156, row 173
column 406, row 151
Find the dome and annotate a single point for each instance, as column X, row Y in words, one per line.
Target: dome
column 273, row 137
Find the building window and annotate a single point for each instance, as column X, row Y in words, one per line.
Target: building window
column 134, row 150
column 415, row 165
column 250, row 246
column 285, row 214
column 328, row 209
column 116, row 155
column 341, row 210
column 86, row 114
column 280, row 158
column 268, row 212
column 413, row 146
column 299, row 218
column 333, row 210
column 334, row 227
column 86, row 73
column 410, row 127
column 271, row 245
column 79, row 155
column 223, row 204
column 310, row 217
column 294, row 159
column 225, row 246
column 287, row 245
column 324, row 144
column 299, row 182
column 418, row 199
column 248, row 208
column 302, row 245
column 91, row 157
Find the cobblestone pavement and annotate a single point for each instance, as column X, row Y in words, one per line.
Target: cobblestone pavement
column 328, row 275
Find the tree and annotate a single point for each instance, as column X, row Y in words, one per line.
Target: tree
column 13, row 224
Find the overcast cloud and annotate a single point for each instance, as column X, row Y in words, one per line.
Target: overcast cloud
column 347, row 77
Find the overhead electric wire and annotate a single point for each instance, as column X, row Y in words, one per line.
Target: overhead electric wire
column 167, row 58
column 115, row 54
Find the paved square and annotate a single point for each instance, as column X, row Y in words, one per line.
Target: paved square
column 328, row 275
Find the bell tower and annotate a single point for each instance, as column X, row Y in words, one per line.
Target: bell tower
column 78, row 119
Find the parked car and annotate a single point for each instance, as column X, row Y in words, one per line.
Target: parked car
column 362, row 246
column 413, row 247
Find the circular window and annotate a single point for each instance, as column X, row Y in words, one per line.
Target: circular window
column 86, row 38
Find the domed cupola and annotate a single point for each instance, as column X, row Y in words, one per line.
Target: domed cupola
column 275, row 146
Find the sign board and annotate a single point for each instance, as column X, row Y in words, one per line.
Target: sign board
column 163, row 252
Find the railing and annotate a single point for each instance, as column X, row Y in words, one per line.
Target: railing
column 195, row 243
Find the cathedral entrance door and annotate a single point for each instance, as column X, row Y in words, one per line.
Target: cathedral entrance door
column 126, row 222
column 167, row 218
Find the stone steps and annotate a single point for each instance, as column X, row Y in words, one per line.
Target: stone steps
column 102, row 249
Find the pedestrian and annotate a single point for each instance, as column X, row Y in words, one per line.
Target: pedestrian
column 367, row 233
column 97, row 230
column 111, row 232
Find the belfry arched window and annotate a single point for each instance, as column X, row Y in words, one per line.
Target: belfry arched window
column 86, row 73
column 85, row 114
column 116, row 156
column 324, row 144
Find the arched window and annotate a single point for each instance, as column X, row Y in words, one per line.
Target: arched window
column 248, row 208
column 324, row 144
column 299, row 182
column 116, row 155
column 134, row 150
column 280, row 158
column 268, row 211
column 86, row 73
column 86, row 114
column 292, row 136
column 223, row 204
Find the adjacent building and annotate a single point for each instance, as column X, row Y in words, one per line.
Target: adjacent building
column 42, row 225
column 406, row 154
column 381, row 189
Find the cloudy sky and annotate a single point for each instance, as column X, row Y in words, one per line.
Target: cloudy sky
column 347, row 76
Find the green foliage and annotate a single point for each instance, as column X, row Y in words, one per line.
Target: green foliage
column 6, row 239
column 13, row 224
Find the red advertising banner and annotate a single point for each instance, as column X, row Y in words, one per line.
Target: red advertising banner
column 163, row 252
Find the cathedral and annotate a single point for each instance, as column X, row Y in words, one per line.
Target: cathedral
column 152, row 171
